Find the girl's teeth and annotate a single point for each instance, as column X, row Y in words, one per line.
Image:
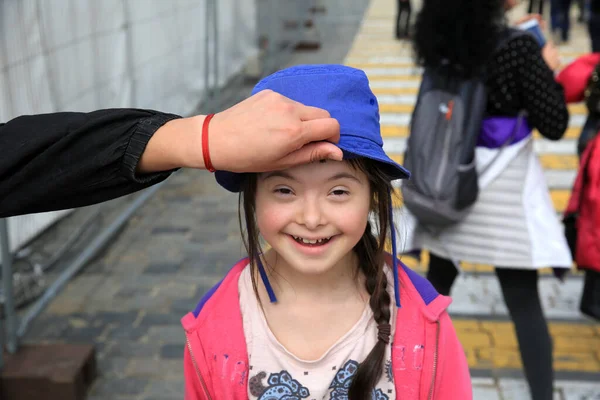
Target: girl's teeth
column 309, row 241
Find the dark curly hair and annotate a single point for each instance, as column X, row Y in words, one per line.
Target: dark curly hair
column 460, row 33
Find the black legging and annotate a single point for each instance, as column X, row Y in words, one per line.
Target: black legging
column 520, row 291
column 404, row 7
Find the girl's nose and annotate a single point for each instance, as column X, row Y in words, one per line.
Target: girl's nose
column 311, row 214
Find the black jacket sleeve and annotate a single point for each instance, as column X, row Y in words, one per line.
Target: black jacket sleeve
column 543, row 97
column 64, row 160
column 519, row 79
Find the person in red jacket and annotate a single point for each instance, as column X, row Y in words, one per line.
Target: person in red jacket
column 582, row 216
column 585, row 204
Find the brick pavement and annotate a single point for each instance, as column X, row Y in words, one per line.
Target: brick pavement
column 130, row 299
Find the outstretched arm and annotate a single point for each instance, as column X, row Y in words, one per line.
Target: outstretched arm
column 65, row 160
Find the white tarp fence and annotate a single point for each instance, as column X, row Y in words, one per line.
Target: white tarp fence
column 82, row 55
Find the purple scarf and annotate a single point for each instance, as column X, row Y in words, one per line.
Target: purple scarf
column 496, row 131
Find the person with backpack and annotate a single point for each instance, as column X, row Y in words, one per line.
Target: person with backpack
column 478, row 191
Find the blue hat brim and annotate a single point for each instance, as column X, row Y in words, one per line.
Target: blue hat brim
column 356, row 148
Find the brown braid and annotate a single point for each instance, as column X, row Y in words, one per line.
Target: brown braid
column 370, row 252
column 371, row 368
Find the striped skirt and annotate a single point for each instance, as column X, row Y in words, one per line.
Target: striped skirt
column 512, row 224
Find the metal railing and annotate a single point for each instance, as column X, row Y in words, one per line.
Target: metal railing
column 15, row 328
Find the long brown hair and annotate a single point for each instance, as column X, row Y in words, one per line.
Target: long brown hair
column 371, row 255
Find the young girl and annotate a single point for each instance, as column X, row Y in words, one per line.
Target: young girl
column 324, row 313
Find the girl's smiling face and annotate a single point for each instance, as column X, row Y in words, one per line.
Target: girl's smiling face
column 314, row 214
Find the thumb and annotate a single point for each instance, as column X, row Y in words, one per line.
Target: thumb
column 312, row 152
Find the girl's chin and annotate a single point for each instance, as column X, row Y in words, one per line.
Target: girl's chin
column 311, row 268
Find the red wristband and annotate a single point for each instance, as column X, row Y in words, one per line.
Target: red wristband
column 205, row 152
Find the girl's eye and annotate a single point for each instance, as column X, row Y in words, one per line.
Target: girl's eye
column 340, row 192
column 284, row 191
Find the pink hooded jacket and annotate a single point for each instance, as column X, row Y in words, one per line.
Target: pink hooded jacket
column 428, row 361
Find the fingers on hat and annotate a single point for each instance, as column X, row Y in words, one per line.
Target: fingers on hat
column 321, row 129
column 307, row 113
column 310, row 153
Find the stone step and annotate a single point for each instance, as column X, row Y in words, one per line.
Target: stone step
column 49, row 371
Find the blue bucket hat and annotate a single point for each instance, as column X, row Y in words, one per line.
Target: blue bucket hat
column 345, row 93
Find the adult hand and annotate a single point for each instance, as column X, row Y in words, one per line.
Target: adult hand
column 550, row 55
column 262, row 133
column 268, row 132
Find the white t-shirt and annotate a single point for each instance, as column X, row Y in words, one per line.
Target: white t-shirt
column 276, row 373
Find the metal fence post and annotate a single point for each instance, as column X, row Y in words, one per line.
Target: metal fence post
column 211, row 61
column 215, row 5
column 10, row 332
column 207, row 93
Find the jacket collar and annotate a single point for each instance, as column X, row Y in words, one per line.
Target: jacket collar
column 217, row 302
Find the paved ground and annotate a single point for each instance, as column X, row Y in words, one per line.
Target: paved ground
column 130, row 299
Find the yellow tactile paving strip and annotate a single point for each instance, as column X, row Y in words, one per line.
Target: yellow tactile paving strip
column 396, row 91
column 493, row 344
column 489, row 344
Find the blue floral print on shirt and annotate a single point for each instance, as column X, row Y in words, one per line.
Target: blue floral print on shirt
column 341, row 383
column 281, row 386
